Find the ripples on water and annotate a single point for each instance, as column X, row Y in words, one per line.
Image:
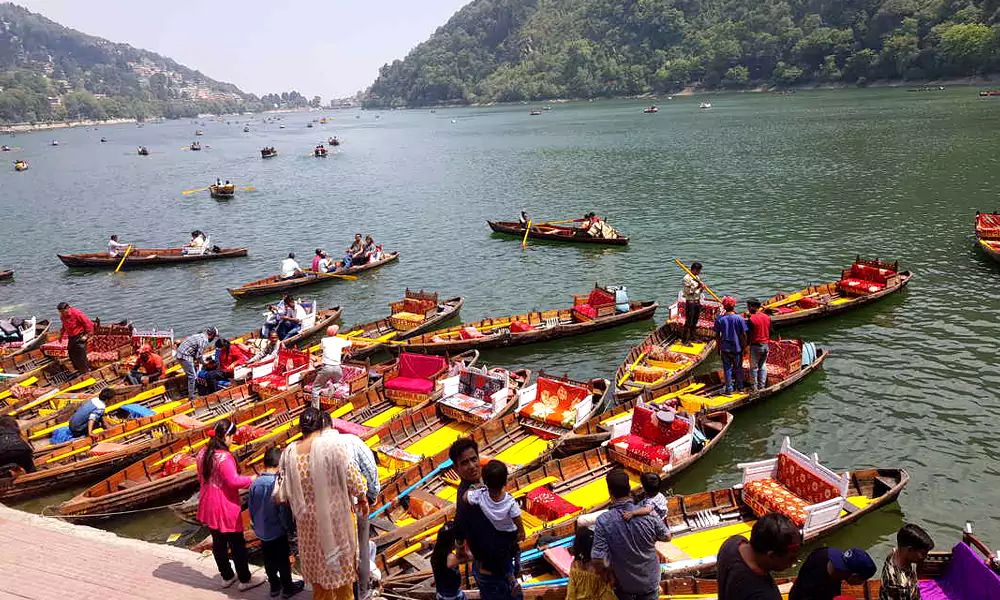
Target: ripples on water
column 771, row 193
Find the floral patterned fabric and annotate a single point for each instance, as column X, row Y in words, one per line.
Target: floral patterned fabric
column 555, row 402
column 547, row 505
column 641, row 449
column 646, row 425
column 769, row 495
column 804, row 484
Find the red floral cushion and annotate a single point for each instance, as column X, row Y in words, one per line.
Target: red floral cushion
column 420, row 365
column 641, row 449
column 177, row 463
column 804, row 484
column 248, row 433
column 859, row 287
column 410, row 384
column 586, row 310
column 555, row 402
column 599, row 297
column 519, row 327
column 646, row 425
column 548, row 505
column 470, row 333
column 768, row 495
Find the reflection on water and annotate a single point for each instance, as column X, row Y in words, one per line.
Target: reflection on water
column 770, row 192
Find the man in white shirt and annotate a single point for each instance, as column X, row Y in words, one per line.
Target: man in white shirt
column 290, row 268
column 115, row 249
column 333, row 346
column 291, row 318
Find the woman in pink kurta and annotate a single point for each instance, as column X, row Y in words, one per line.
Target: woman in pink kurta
column 321, row 484
column 219, row 505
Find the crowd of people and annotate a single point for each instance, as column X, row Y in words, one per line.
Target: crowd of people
column 318, row 488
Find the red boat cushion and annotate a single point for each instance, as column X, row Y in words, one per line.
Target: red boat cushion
column 420, row 365
column 645, row 424
column 353, row 428
column 586, row 310
column 410, row 384
column 599, row 297
column 549, row 506
column 177, row 463
column 519, row 327
column 412, row 305
column 769, row 495
column 641, row 449
column 186, row 422
column 859, row 287
column 248, row 433
column 803, row 483
column 470, row 333
column 555, row 402
column 807, row 303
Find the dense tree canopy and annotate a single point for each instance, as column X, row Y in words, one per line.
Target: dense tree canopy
column 509, row 50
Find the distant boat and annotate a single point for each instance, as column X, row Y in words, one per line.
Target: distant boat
column 199, row 132
column 246, row 129
column 195, row 146
column 20, row 165
column 651, row 110
column 535, row 113
column 989, row 94
column 281, row 127
column 142, row 151
column 333, row 141
column 5, row 148
column 268, row 152
column 103, row 140
column 309, row 125
column 705, row 105
column 546, row 108
column 55, row 142
column 320, row 151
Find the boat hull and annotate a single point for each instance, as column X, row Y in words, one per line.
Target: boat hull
column 146, row 257
column 830, row 309
column 452, row 307
column 558, row 234
column 989, row 248
column 275, row 284
column 662, row 334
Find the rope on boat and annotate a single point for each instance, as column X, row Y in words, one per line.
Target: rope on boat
column 45, row 512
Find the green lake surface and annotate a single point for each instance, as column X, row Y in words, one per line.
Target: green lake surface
column 770, row 192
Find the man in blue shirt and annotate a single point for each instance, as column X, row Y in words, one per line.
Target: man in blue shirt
column 731, row 338
column 628, row 547
column 272, row 523
column 90, row 414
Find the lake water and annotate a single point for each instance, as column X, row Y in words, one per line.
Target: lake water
column 770, row 192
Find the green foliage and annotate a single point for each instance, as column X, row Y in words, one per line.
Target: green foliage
column 514, row 50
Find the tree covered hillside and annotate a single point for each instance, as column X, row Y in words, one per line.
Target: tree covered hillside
column 509, row 50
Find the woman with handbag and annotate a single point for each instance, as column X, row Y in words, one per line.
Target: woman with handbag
column 319, row 481
column 219, row 506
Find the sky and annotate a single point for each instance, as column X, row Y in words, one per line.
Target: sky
column 330, row 48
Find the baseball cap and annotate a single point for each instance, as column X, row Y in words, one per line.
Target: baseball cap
column 854, row 561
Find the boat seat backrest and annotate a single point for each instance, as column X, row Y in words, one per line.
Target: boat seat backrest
column 556, row 401
column 420, row 366
column 479, row 384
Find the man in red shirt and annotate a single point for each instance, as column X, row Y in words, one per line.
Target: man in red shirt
column 148, row 367
column 760, row 336
column 76, row 327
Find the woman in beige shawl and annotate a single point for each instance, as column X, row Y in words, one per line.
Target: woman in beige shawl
column 320, row 483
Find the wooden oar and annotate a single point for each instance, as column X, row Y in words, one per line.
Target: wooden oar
column 688, row 271
column 124, row 256
column 347, row 277
column 249, row 189
column 194, row 191
column 527, row 230
column 629, row 371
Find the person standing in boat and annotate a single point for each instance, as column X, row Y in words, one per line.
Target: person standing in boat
column 77, row 329
column 333, row 348
column 759, row 325
column 191, row 354
column 115, row 248
column 692, row 303
column 731, row 339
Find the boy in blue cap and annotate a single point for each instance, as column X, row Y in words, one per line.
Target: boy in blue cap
column 826, row 569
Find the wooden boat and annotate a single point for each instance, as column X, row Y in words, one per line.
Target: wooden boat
column 416, row 313
column 6, row 275
column 651, row 110
column 555, row 233
column 988, row 234
column 313, row 324
column 412, row 501
column 850, row 292
column 142, row 151
column 535, row 113
column 578, row 480
column 276, row 284
column 658, row 361
column 320, row 151
column 707, row 391
column 144, row 257
column 195, row 146
column 536, row 326
column 112, row 449
column 32, row 333
column 20, row 165
column 268, row 153
column 222, row 192
column 171, row 470
column 333, row 141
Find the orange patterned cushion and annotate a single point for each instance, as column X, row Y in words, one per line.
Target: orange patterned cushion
column 768, row 495
column 555, row 402
column 804, row 484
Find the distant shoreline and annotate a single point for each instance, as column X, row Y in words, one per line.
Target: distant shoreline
column 29, row 128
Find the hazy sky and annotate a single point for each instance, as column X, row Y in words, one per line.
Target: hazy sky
column 332, row 48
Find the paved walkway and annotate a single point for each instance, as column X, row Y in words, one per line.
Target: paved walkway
column 44, row 559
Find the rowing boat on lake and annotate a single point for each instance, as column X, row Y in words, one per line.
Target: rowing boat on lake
column 988, row 234
column 113, row 448
column 862, row 283
column 417, row 313
column 556, row 233
column 276, row 284
column 589, row 313
column 171, row 470
column 658, row 361
column 147, row 257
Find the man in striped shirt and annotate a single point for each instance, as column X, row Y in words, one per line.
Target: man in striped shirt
column 191, row 353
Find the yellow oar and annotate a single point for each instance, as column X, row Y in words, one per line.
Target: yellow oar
column 249, row 189
column 527, row 230
column 124, row 256
column 347, row 277
column 631, row 369
column 194, row 191
column 688, row 271
column 559, row 222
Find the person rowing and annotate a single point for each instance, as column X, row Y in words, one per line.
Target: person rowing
column 289, row 268
column 115, row 248
column 523, row 219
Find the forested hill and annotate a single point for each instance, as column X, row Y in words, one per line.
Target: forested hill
column 509, row 50
column 50, row 72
